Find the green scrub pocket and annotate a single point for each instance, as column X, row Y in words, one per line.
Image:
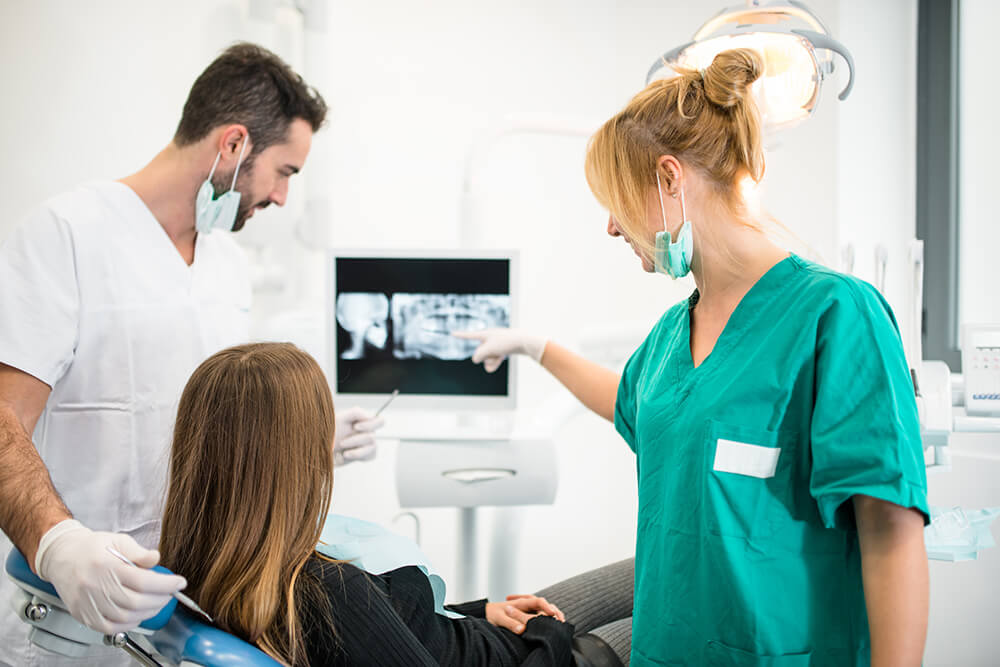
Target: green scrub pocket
column 718, row 654
column 746, row 473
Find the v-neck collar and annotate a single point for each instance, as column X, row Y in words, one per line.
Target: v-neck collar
column 744, row 315
column 157, row 230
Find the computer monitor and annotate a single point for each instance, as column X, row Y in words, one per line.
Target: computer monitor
column 390, row 318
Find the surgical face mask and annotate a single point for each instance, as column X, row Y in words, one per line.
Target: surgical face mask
column 211, row 213
column 673, row 259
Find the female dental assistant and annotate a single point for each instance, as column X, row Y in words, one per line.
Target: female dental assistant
column 782, row 491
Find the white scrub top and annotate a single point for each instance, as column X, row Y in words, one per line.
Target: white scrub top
column 97, row 303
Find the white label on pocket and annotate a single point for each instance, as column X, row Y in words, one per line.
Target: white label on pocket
column 745, row 459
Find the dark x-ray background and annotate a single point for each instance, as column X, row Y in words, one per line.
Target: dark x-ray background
column 379, row 372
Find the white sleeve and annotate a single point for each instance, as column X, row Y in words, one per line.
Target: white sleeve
column 39, row 297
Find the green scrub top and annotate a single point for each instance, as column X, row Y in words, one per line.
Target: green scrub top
column 747, row 552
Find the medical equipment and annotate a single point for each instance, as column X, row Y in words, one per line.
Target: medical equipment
column 180, row 597
column 169, row 639
column 932, row 381
column 847, row 258
column 796, row 47
column 473, row 203
column 981, row 366
column 427, row 295
column 881, row 262
column 469, row 474
column 455, row 420
column 957, row 534
column 392, row 397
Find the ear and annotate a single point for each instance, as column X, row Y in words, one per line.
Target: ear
column 671, row 172
column 231, row 140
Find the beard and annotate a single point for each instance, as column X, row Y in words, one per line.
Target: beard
column 221, row 183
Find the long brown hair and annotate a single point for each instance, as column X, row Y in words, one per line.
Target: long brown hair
column 707, row 120
column 251, row 473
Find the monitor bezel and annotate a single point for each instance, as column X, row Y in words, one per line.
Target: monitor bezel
column 419, row 401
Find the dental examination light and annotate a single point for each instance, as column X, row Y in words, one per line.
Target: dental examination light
column 796, row 46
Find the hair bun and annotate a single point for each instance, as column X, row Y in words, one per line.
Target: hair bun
column 727, row 79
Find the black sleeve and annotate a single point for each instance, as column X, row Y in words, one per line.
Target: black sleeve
column 551, row 641
column 476, row 608
column 368, row 629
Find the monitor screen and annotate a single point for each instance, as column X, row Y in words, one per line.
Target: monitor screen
column 393, row 313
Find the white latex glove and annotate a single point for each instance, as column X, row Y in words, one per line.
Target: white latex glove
column 498, row 344
column 355, row 435
column 100, row 590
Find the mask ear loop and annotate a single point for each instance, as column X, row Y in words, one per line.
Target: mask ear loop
column 238, row 163
column 214, row 165
column 663, row 210
column 684, row 217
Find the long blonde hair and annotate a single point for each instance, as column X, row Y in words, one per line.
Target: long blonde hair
column 707, row 120
column 251, row 473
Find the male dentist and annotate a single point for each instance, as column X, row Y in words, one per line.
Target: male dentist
column 111, row 295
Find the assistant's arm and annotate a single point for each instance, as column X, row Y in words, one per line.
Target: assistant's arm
column 594, row 385
column 894, row 570
column 29, row 503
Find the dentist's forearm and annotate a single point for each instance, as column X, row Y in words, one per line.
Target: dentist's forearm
column 894, row 569
column 594, row 385
column 29, row 504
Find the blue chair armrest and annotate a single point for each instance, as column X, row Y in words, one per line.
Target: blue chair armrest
column 18, row 569
column 184, row 638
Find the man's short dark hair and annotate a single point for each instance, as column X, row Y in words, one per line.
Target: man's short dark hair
column 249, row 85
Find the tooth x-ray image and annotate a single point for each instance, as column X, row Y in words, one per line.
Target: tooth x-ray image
column 423, row 323
column 366, row 318
column 394, row 318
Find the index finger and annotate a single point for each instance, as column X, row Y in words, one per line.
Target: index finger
column 142, row 580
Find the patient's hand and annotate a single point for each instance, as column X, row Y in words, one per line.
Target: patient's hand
column 518, row 610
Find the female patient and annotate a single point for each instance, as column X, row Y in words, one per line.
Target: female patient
column 251, row 474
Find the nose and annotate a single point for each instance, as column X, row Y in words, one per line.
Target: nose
column 613, row 227
column 280, row 194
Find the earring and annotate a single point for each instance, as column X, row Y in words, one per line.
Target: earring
column 674, row 195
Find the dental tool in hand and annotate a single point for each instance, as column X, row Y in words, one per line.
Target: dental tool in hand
column 395, row 393
column 180, row 597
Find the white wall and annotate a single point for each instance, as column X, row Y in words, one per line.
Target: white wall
column 876, row 145
column 979, row 99
column 93, row 91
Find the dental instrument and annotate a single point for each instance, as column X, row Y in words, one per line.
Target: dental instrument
column 180, row 597
column 392, row 396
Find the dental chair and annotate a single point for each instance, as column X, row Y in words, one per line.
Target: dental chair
column 175, row 637
column 172, row 638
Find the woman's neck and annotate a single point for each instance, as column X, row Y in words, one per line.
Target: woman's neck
column 731, row 258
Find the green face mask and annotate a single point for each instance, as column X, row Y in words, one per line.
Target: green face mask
column 211, row 212
column 673, row 259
